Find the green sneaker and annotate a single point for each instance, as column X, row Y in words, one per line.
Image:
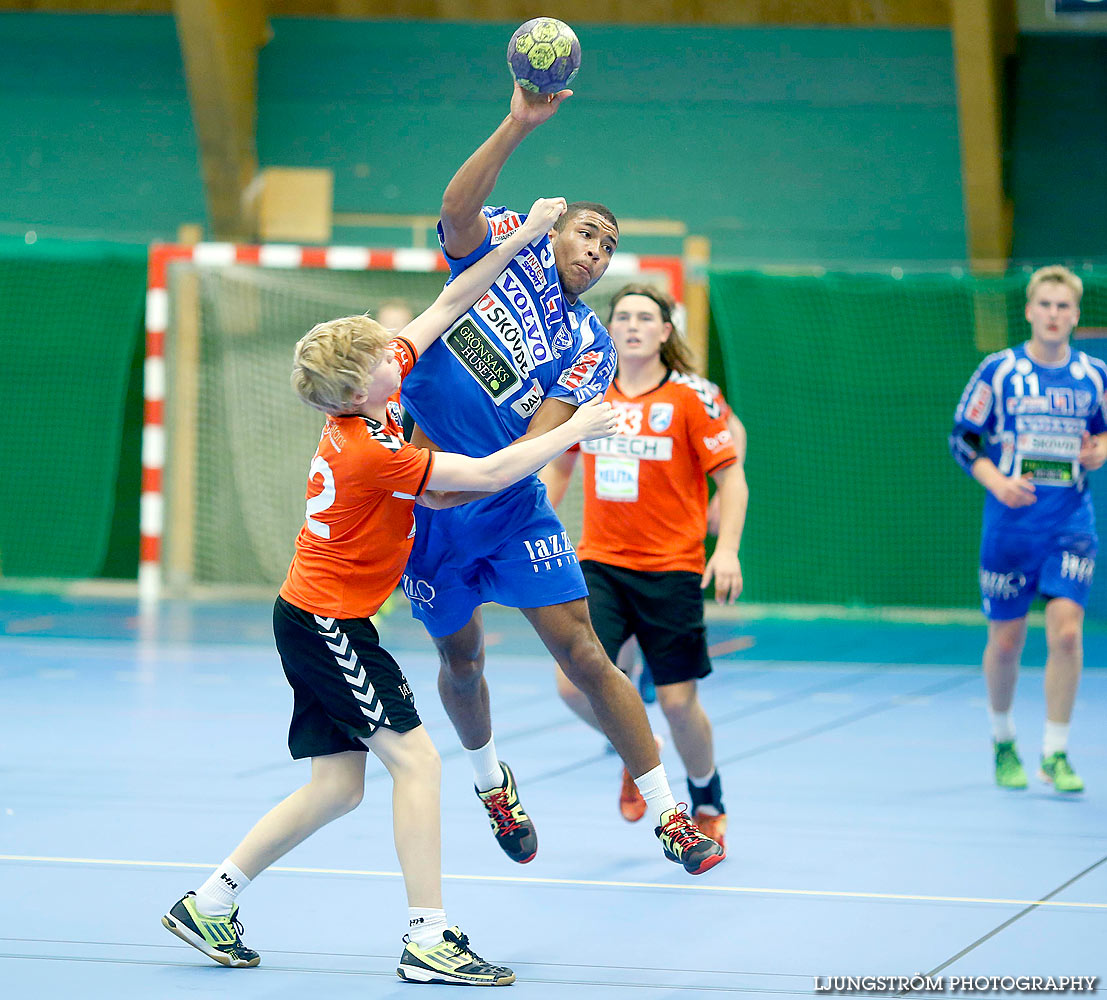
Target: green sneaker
column 1057, row 771
column 1009, row 770
column 220, row 938
column 451, row 960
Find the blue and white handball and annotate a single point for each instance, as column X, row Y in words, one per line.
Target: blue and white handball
column 544, row 55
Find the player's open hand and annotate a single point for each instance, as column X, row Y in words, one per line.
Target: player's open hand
column 534, row 109
column 724, row 567
column 1016, row 491
column 542, row 216
column 594, row 419
column 1093, row 451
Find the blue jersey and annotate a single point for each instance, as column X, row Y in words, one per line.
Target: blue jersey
column 475, row 390
column 1030, row 419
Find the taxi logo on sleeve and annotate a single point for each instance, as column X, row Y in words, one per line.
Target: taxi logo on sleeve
column 717, row 441
column 661, row 416
column 581, row 371
column 980, row 402
column 503, row 226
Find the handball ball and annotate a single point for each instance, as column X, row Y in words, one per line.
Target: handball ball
column 544, row 55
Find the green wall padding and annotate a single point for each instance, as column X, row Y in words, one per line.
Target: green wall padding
column 71, row 317
column 847, row 384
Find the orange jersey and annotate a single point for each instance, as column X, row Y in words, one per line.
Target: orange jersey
column 645, row 489
column 358, row 532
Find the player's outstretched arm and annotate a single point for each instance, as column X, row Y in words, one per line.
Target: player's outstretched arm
column 723, row 567
column 593, row 419
column 463, row 225
column 475, row 280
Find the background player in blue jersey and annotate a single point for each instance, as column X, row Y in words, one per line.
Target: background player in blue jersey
column 516, row 364
column 1029, row 425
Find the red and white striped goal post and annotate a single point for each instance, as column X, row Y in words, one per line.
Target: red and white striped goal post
column 274, row 255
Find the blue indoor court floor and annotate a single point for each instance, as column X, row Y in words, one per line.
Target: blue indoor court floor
column 866, row 834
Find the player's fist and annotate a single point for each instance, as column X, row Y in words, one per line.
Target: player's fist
column 1093, row 451
column 533, row 109
column 1016, row 491
column 594, row 419
column 542, row 216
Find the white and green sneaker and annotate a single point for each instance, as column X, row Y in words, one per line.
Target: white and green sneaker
column 1057, row 771
column 451, row 960
column 220, row 938
column 1009, row 769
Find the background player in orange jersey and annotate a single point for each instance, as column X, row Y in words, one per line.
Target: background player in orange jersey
column 349, row 693
column 645, row 520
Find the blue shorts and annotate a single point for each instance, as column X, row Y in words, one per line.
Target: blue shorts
column 510, row 549
column 1016, row 565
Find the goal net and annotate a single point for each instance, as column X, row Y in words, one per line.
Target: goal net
column 226, row 442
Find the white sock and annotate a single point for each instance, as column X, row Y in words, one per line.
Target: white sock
column 654, row 787
column 216, row 897
column 487, row 772
column 1055, row 739
column 702, row 782
column 425, row 926
column 1003, row 726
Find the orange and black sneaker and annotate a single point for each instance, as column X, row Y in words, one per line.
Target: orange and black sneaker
column 708, row 811
column 511, row 826
column 631, row 803
column 684, row 844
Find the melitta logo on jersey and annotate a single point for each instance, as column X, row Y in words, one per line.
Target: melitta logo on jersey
column 526, row 406
column 471, row 346
column 497, row 316
column 980, row 402
column 532, row 329
column 651, row 449
column 581, row 371
column 503, row 226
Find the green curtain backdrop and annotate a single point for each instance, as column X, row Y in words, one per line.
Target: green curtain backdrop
column 71, row 318
column 847, row 384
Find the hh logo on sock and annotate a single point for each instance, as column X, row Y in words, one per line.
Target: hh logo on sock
column 230, row 881
column 415, row 921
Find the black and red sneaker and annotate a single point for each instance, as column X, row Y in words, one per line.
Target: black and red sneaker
column 685, row 844
column 511, row 825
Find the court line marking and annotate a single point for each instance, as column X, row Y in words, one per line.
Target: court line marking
column 585, row 883
column 1030, row 908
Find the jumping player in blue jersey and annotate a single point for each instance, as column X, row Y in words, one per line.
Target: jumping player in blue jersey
column 1029, row 426
column 516, row 364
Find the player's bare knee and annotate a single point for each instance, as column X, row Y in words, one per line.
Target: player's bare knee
column 586, row 665
column 1065, row 639
column 678, row 701
column 339, row 795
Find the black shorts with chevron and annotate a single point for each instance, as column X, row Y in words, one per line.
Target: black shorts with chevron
column 345, row 685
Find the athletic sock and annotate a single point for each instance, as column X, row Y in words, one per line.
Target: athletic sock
column 1003, row 726
column 1055, row 739
column 487, row 772
column 425, row 926
column 654, row 787
column 216, row 897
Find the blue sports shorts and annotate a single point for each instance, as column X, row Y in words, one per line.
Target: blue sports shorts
column 509, row 549
column 1016, row 565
